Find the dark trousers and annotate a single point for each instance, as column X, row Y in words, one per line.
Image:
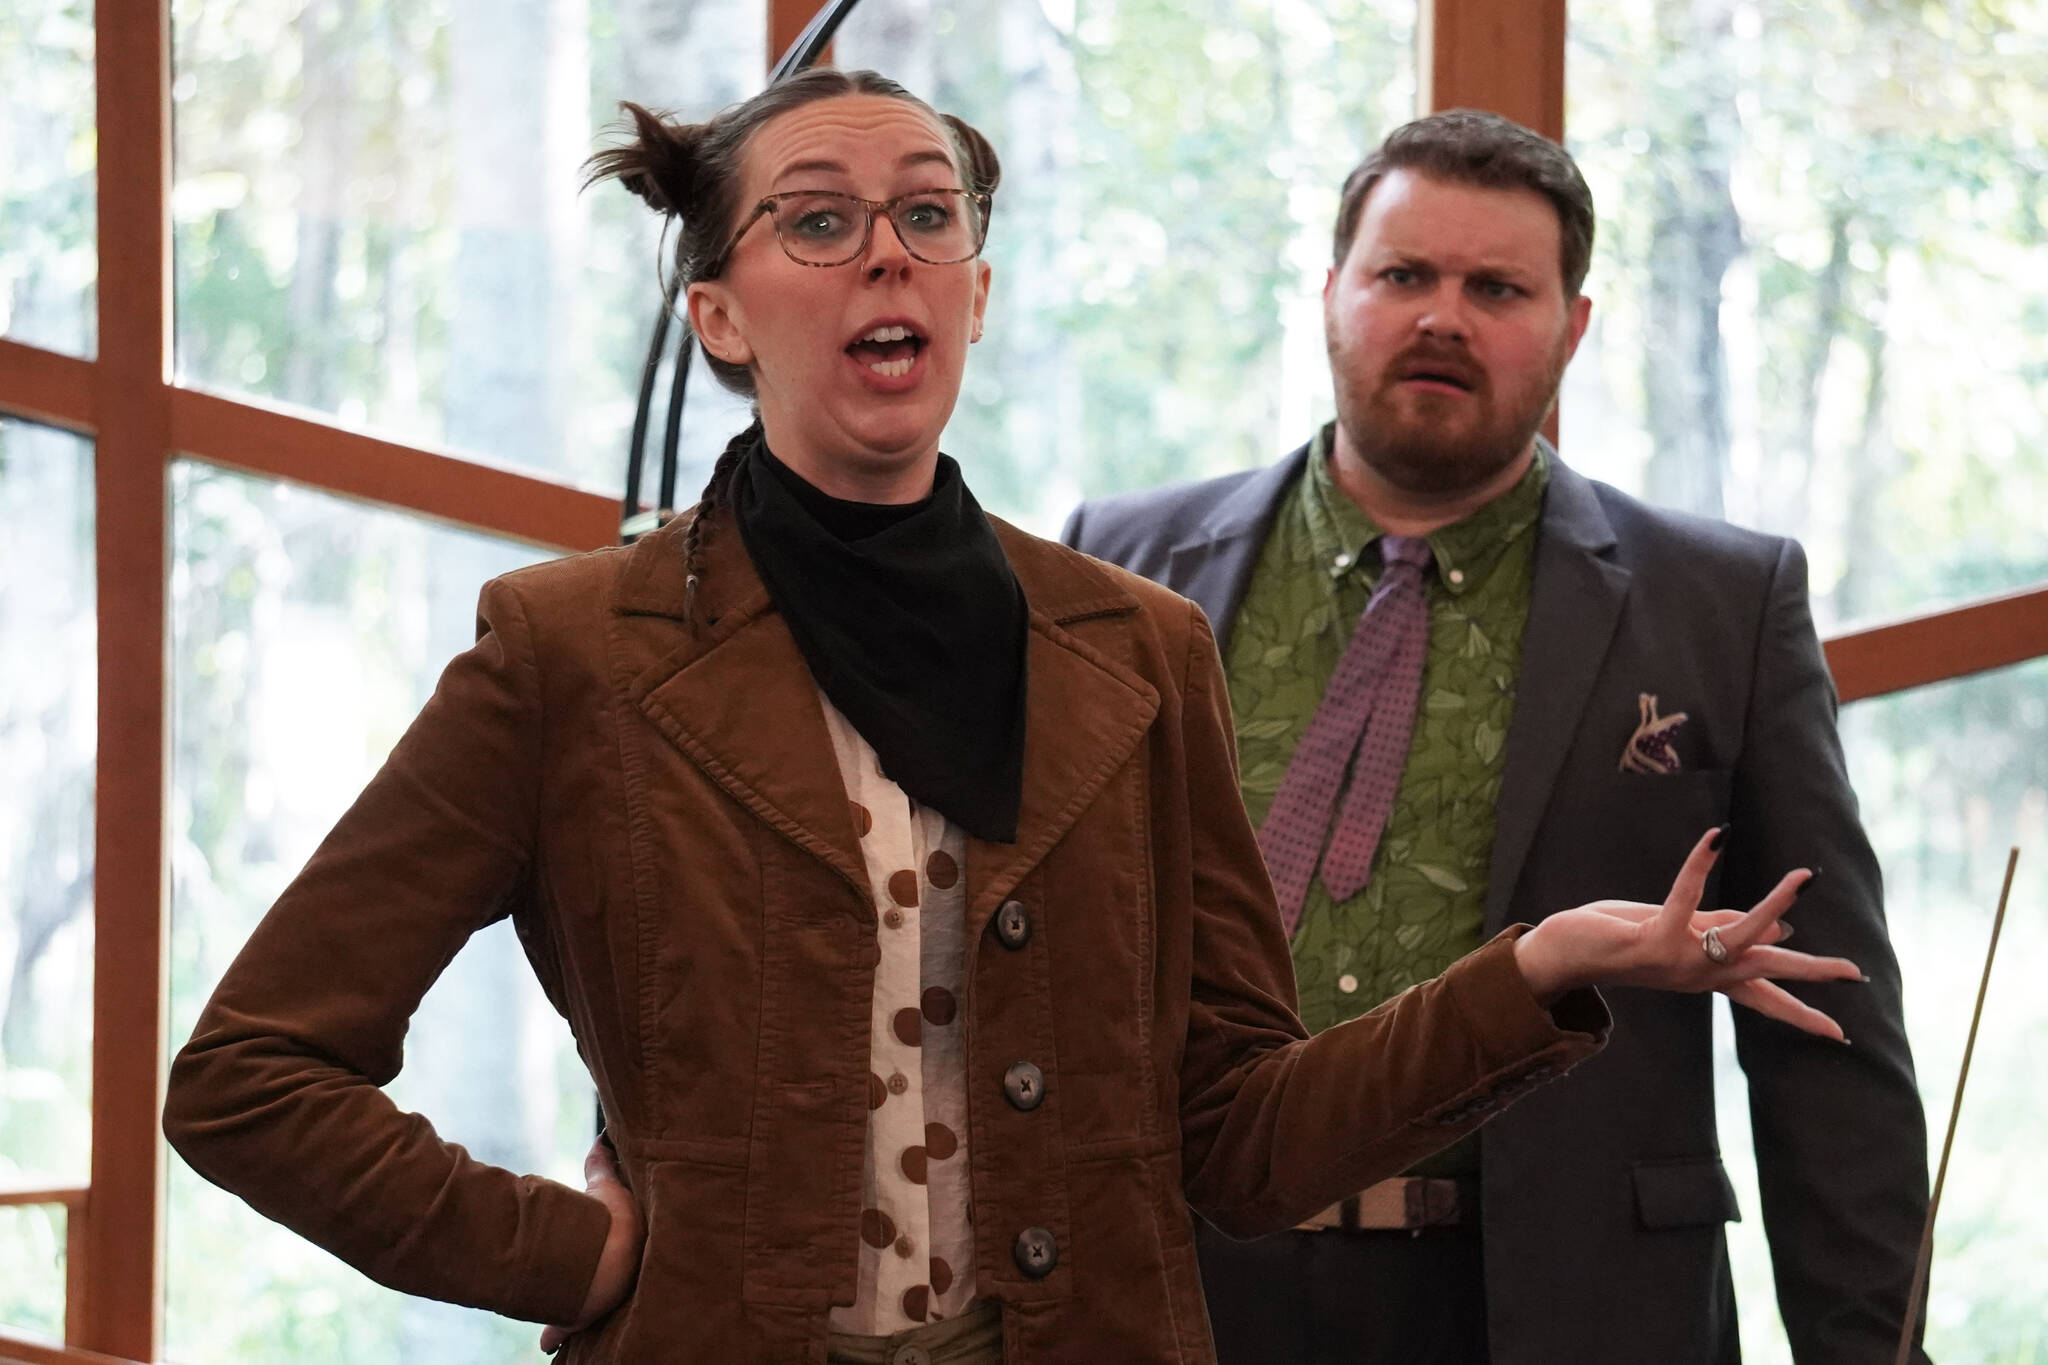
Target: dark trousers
column 1346, row 1298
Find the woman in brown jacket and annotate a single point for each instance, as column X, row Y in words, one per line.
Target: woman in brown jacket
column 887, row 863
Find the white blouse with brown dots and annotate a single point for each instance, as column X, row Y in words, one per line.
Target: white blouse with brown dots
column 916, row 1243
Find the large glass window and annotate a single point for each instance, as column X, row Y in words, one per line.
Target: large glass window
column 1170, row 177
column 1950, row 778
column 377, row 211
column 32, row 1260
column 306, row 632
column 48, row 261
column 1819, row 294
column 47, row 690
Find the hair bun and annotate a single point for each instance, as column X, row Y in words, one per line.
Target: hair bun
column 660, row 164
column 983, row 170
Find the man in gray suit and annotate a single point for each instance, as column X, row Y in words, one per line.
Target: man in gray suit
column 1602, row 680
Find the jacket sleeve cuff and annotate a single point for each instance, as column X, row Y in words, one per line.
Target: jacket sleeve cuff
column 1507, row 1022
column 554, row 1276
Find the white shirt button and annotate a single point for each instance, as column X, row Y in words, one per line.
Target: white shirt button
column 1347, row 983
column 1456, row 575
column 1343, row 561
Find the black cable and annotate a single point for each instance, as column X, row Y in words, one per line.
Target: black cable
column 671, row 435
column 812, row 42
column 636, row 448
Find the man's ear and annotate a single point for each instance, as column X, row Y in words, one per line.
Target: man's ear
column 1577, row 314
column 714, row 317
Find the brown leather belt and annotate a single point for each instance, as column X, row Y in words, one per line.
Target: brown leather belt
column 1403, row 1203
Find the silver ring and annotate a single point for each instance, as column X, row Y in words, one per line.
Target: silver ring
column 1711, row 945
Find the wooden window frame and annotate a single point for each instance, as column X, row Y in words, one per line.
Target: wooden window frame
column 1507, row 55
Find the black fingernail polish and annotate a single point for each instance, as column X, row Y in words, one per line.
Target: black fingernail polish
column 1714, row 843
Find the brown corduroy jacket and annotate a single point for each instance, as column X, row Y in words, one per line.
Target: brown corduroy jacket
column 658, row 810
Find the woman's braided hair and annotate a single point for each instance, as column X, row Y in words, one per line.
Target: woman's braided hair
column 693, row 172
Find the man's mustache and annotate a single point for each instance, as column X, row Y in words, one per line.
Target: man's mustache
column 1426, row 360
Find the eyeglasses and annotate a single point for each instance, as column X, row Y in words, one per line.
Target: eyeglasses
column 822, row 228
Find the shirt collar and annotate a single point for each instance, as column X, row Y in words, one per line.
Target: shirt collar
column 1463, row 552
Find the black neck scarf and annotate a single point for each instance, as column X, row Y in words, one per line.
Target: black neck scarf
column 913, row 625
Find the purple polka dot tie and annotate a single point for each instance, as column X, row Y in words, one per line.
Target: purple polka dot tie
column 1367, row 713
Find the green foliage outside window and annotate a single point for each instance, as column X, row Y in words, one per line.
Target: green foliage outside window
column 1160, row 239
column 47, row 690
column 48, row 263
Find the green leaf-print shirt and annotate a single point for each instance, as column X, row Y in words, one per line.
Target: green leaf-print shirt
column 1424, row 905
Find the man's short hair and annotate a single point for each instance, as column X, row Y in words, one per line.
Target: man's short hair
column 1472, row 147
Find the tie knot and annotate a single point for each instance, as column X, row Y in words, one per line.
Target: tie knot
column 1412, row 551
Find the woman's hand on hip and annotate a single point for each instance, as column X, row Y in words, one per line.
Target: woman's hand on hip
column 1665, row 947
column 619, row 1263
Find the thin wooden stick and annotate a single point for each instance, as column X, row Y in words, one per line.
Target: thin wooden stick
column 1955, row 1112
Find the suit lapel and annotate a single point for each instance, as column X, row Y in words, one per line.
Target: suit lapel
column 1213, row 566
column 1574, row 605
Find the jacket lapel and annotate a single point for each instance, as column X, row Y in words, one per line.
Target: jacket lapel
column 1214, row 564
column 1085, row 714
column 1575, row 603
column 736, row 696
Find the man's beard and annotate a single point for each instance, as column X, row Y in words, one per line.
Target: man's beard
column 1418, row 444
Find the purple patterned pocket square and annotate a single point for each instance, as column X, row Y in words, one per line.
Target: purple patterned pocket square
column 1649, row 748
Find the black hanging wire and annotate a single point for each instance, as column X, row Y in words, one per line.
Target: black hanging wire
column 634, row 523
column 636, row 449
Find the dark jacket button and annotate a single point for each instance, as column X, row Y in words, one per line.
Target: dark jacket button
column 1036, row 1253
column 1013, row 925
column 1024, row 1086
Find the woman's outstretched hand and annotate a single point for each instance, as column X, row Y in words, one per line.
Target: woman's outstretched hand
column 1624, row 943
column 619, row 1262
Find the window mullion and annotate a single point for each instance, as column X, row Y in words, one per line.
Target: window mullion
column 1502, row 55
column 132, row 405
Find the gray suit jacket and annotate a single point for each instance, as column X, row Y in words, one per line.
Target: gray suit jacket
column 1603, row 1195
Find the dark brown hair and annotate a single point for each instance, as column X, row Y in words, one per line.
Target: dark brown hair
column 692, row 172
column 1472, row 147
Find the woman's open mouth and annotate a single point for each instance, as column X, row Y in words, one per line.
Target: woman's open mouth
column 888, row 351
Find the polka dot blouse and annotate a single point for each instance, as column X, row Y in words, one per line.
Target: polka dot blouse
column 916, row 1243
